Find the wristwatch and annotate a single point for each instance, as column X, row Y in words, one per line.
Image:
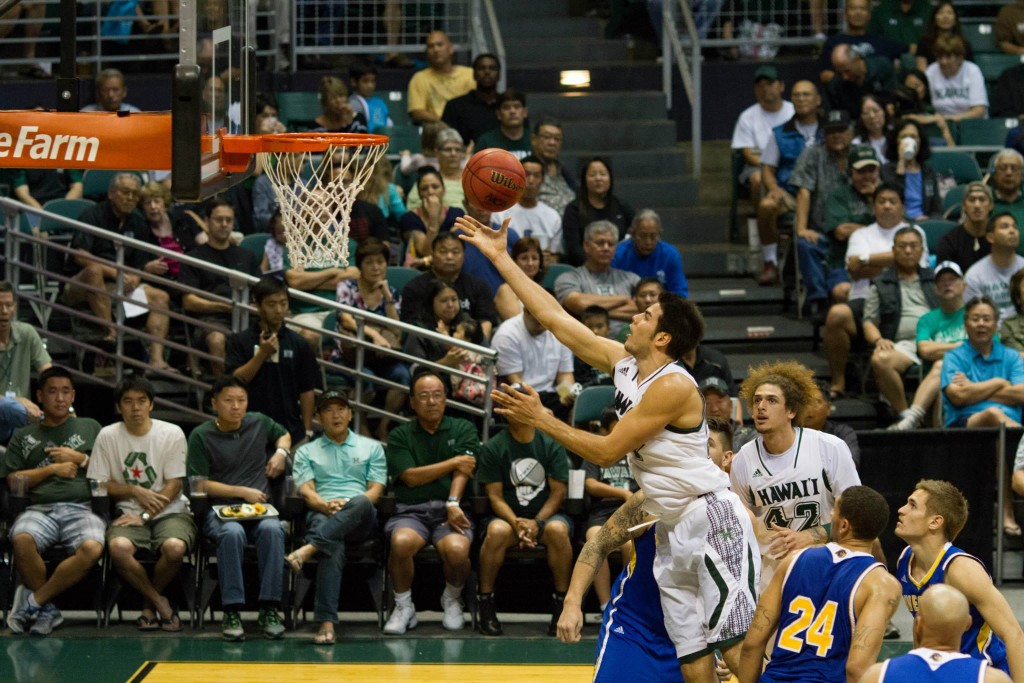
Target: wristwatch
column 864, row 259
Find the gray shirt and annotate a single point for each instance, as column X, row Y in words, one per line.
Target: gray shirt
column 913, row 305
column 984, row 278
column 612, row 282
column 816, row 170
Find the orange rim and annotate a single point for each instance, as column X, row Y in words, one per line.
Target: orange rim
column 297, row 142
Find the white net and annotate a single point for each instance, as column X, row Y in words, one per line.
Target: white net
column 316, row 191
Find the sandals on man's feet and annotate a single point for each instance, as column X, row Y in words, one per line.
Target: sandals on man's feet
column 324, row 637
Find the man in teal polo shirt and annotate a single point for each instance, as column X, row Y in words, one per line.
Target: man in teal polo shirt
column 341, row 476
column 430, row 460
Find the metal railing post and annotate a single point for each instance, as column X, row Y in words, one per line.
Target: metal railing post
column 119, row 320
column 997, row 571
column 667, row 24
column 360, row 359
column 696, row 122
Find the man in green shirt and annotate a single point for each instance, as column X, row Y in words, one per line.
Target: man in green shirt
column 902, row 21
column 430, row 460
column 52, row 456
column 526, row 474
column 21, row 350
column 239, row 453
column 938, row 331
column 511, row 134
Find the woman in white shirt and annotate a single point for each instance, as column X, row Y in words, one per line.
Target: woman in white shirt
column 958, row 87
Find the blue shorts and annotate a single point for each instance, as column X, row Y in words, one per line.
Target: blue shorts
column 623, row 656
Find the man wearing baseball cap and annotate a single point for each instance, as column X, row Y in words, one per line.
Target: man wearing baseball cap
column 938, row 331
column 966, row 243
column 718, row 404
column 819, row 172
column 849, row 208
column 755, row 124
column 341, row 476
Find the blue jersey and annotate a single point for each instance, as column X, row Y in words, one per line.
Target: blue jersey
column 925, row 665
column 816, row 622
column 978, row 641
column 633, row 644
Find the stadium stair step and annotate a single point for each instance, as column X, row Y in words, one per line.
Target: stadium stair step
column 609, row 106
column 520, row 25
column 579, row 48
column 735, row 296
column 761, row 333
column 741, row 363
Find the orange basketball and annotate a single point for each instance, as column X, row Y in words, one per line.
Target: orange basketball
column 493, row 180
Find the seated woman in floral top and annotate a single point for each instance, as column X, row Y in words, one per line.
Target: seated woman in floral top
column 372, row 293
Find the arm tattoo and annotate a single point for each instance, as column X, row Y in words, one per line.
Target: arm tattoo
column 615, row 531
column 820, row 534
column 761, row 619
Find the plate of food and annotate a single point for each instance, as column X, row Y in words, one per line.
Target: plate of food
column 245, row 511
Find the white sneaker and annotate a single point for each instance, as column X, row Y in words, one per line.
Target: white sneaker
column 49, row 618
column 402, row 619
column 454, row 616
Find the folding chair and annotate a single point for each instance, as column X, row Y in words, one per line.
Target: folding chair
column 399, row 277
column 960, row 165
column 552, row 273
column 298, row 110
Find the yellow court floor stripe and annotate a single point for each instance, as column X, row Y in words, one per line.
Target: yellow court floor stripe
column 218, row 672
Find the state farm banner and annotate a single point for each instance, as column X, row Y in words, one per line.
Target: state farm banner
column 45, row 139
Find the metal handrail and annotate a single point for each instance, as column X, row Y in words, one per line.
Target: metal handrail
column 499, row 44
column 240, row 283
column 690, row 72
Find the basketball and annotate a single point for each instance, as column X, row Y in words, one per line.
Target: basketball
column 493, row 180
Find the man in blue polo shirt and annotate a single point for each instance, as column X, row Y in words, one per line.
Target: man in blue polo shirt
column 648, row 256
column 341, row 476
column 982, row 380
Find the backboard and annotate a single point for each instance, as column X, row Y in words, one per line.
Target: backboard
column 214, row 90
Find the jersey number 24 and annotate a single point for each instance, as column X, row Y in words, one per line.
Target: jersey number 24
column 813, row 627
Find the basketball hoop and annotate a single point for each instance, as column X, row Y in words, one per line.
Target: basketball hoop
column 308, row 172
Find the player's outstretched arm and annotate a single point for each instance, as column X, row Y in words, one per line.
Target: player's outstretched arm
column 595, row 351
column 670, row 400
column 762, row 626
column 875, row 603
column 970, row 578
column 612, row 534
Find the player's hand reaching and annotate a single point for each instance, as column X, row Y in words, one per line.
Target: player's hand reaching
column 522, row 405
column 785, row 540
column 491, row 243
column 570, row 623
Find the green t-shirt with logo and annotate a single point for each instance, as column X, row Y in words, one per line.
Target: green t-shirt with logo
column 523, row 470
column 27, row 450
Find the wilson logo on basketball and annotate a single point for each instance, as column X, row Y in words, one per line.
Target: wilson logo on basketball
column 43, row 146
column 499, row 178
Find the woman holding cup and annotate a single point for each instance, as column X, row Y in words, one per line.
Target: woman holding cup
column 907, row 151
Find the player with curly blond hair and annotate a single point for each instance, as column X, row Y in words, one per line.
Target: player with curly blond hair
column 789, row 476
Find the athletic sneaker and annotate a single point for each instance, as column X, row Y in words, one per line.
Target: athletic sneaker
column 891, row 632
column 21, row 612
column 49, row 618
column 402, row 619
column 231, row 626
column 271, row 624
column 487, row 616
column 454, row 618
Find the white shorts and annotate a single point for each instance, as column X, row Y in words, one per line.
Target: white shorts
column 707, row 566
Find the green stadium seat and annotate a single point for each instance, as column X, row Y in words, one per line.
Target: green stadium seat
column 68, row 208
column 960, row 165
column 402, row 138
column 591, row 402
column 399, row 277
column 934, row 229
column 255, row 243
column 397, row 106
column 952, row 201
column 96, row 182
column 985, row 131
column 298, row 110
column 554, row 270
column 992, row 65
column 982, row 37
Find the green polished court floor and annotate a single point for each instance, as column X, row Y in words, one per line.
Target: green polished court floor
column 82, row 655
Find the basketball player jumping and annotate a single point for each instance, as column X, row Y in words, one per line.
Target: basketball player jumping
column 707, row 558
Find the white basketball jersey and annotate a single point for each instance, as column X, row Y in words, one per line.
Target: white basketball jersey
column 795, row 489
column 673, row 468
